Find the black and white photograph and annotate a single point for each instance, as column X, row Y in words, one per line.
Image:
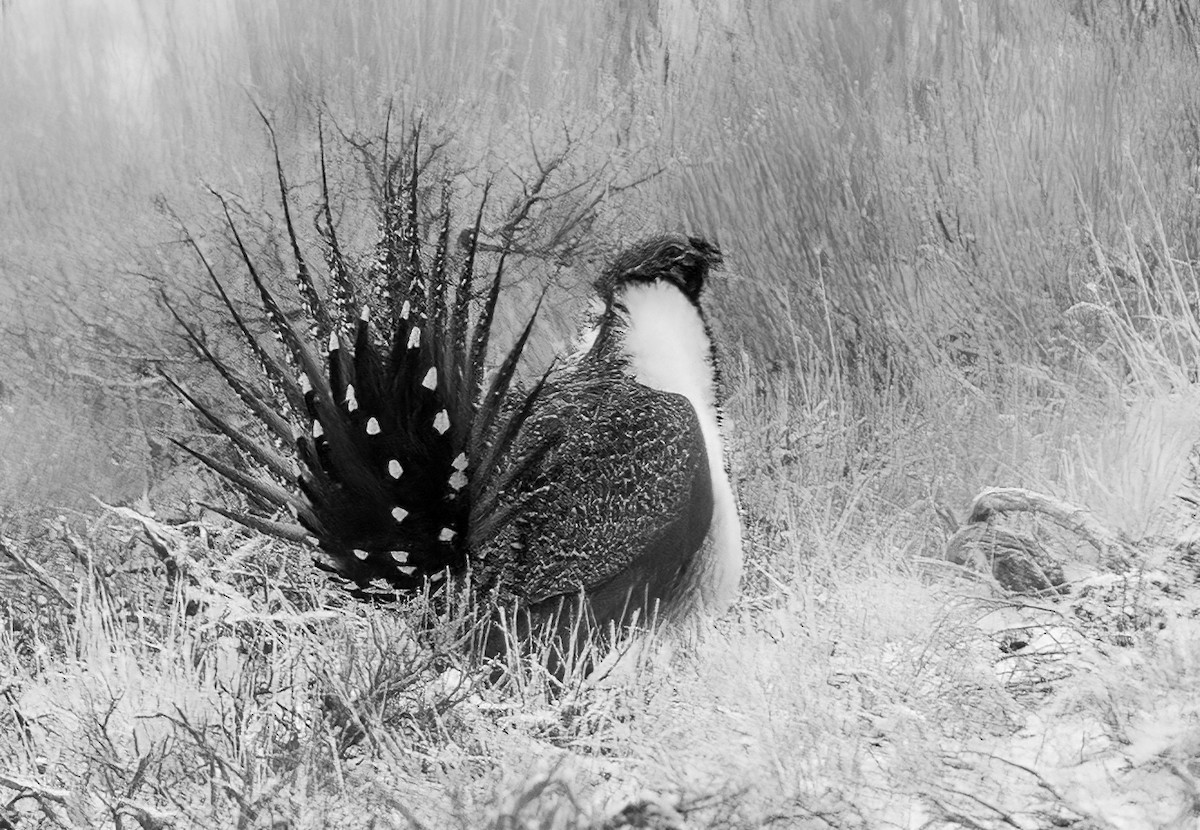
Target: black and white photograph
column 598, row 415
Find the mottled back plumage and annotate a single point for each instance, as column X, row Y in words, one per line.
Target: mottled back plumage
column 623, row 464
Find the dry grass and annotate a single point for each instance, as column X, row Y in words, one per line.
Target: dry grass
column 962, row 243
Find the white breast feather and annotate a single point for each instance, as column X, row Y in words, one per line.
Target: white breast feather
column 669, row 349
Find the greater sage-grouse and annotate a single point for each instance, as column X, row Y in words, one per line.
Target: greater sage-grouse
column 600, row 491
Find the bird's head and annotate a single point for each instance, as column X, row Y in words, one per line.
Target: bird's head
column 683, row 261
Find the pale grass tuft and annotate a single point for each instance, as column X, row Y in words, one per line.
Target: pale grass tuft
column 1131, row 466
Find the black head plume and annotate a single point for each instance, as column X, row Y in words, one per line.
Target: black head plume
column 684, row 261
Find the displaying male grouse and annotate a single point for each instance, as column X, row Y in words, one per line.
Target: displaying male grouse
column 600, row 491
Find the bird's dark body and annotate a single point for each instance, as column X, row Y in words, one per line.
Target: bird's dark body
column 623, row 497
column 589, row 496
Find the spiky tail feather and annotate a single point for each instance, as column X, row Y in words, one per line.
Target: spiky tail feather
column 395, row 441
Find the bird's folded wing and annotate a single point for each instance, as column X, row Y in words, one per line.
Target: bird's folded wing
column 618, row 504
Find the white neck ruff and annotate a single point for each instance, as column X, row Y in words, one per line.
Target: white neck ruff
column 668, row 347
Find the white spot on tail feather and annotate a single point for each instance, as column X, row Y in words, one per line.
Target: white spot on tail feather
column 405, row 310
column 441, row 422
column 351, row 398
column 373, row 426
column 414, row 337
column 460, row 462
column 407, row 570
column 394, row 469
column 334, row 345
column 365, row 314
column 458, row 481
column 318, row 430
column 399, row 514
column 446, row 535
column 430, row 381
column 400, row 556
column 360, row 555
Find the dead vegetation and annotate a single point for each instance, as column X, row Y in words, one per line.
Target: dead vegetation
column 962, row 256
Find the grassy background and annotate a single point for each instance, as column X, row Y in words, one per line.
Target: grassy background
column 960, row 243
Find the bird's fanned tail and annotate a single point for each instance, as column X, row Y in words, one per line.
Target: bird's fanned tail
column 382, row 433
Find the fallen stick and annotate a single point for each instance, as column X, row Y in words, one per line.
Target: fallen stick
column 1116, row 553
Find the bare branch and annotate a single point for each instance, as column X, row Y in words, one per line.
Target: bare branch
column 1115, row 551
